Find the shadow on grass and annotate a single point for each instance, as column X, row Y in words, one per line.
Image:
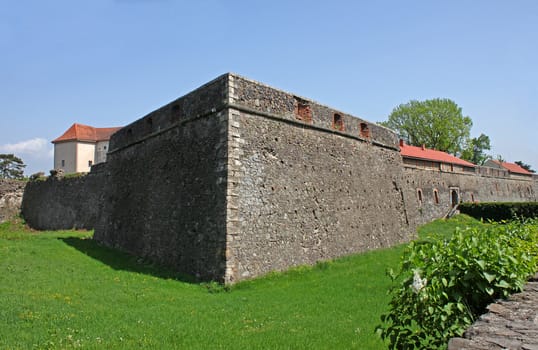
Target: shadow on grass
column 119, row 260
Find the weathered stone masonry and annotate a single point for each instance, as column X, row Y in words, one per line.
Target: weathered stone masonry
column 65, row 203
column 468, row 187
column 231, row 181
column 165, row 198
column 303, row 191
column 237, row 179
column 11, row 193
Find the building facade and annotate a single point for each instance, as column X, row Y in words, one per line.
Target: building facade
column 80, row 147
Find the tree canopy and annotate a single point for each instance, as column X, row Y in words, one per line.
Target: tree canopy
column 438, row 124
column 474, row 152
column 11, row 167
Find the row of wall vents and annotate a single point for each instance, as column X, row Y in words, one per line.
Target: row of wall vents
column 420, row 196
column 303, row 112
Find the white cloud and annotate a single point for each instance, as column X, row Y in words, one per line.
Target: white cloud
column 33, row 147
column 36, row 153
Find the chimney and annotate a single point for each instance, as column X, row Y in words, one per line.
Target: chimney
column 402, row 143
column 423, row 147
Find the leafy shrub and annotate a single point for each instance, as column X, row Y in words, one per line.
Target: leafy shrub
column 500, row 211
column 444, row 285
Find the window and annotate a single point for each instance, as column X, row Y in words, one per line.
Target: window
column 472, row 197
column 454, row 197
column 365, row 131
column 90, row 163
column 338, row 122
column 63, row 162
column 419, row 195
column 436, row 196
column 303, row 111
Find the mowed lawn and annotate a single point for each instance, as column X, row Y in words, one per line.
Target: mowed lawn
column 62, row 290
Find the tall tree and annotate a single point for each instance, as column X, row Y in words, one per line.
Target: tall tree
column 524, row 166
column 437, row 123
column 474, row 152
column 11, row 167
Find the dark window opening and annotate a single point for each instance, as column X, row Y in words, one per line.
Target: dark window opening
column 149, row 121
column 436, row 196
column 365, row 131
column 175, row 113
column 303, row 111
column 63, row 162
column 472, row 197
column 454, row 197
column 338, row 122
column 419, row 195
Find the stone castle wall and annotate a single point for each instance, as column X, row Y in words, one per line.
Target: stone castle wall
column 11, row 193
column 469, row 187
column 165, row 199
column 301, row 190
column 305, row 196
column 237, row 179
column 65, row 203
column 184, row 183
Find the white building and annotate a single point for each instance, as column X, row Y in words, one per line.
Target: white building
column 80, row 147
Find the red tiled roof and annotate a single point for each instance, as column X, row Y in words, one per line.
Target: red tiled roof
column 513, row 168
column 81, row 132
column 430, row 154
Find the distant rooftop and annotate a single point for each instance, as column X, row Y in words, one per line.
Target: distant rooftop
column 431, row 154
column 81, row 132
column 511, row 167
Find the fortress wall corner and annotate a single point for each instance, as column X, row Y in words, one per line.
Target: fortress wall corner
column 166, row 198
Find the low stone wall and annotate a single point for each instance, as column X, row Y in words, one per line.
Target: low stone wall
column 432, row 192
column 509, row 324
column 11, row 192
column 64, row 203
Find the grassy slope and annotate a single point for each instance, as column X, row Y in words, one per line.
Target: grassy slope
column 61, row 290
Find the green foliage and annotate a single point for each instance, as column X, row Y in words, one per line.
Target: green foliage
column 11, row 167
column 437, row 124
column 39, row 176
column 74, row 175
column 445, row 284
column 474, row 151
column 498, row 211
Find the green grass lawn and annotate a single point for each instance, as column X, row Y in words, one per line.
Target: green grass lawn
column 62, row 290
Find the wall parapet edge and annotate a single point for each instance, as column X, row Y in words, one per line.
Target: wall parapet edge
column 233, row 91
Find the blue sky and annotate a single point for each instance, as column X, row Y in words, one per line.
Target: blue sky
column 109, row 62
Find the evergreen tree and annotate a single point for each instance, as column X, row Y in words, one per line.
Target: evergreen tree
column 11, row 167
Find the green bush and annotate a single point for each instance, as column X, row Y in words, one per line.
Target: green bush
column 500, row 211
column 444, row 285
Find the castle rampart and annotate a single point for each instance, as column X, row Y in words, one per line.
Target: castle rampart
column 248, row 179
column 236, row 179
column 432, row 192
column 65, row 203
